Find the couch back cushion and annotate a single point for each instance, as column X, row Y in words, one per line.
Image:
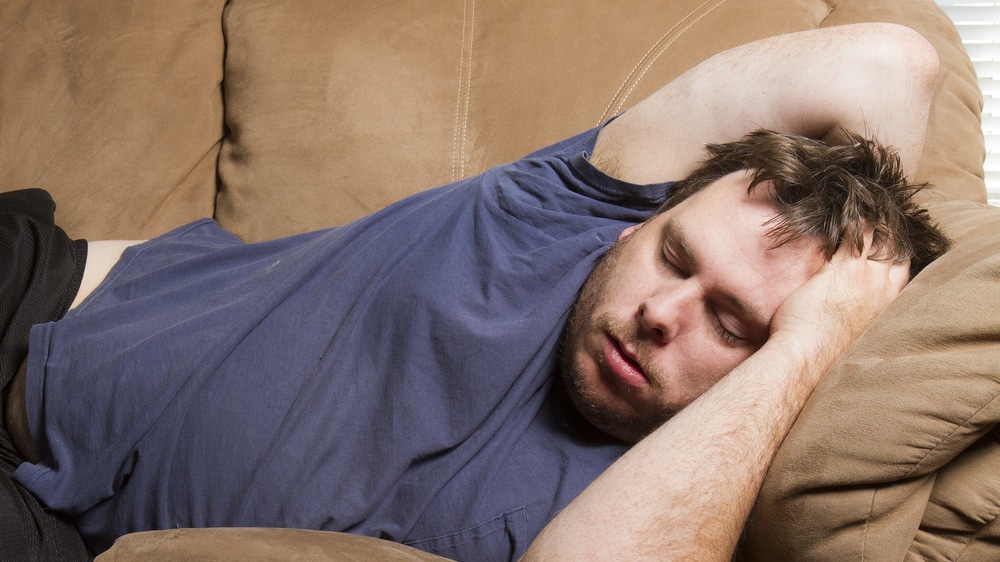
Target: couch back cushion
column 332, row 109
column 115, row 107
column 338, row 108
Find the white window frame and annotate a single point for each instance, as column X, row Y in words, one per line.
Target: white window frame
column 979, row 25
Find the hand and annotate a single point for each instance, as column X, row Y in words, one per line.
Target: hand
column 824, row 316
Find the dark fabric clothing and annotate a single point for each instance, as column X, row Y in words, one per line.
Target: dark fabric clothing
column 390, row 377
column 29, row 531
column 40, row 273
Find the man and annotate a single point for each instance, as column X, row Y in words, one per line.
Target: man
column 394, row 376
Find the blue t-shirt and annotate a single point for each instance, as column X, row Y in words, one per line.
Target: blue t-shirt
column 391, row 377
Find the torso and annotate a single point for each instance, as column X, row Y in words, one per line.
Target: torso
column 205, row 314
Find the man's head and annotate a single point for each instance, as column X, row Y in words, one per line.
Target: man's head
column 686, row 296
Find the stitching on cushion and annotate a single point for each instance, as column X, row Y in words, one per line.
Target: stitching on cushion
column 461, row 130
column 972, row 538
column 864, row 532
column 916, row 465
column 956, row 427
column 653, row 53
column 867, row 522
column 831, row 7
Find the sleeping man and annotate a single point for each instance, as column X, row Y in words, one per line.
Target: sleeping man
column 572, row 356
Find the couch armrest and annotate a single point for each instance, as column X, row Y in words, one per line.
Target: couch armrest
column 246, row 544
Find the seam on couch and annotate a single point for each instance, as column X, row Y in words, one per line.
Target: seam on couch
column 964, row 423
column 831, row 6
column 868, row 519
column 652, row 54
column 915, row 466
column 863, row 555
column 461, row 129
column 970, row 539
column 984, row 533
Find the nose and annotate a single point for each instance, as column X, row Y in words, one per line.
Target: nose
column 669, row 311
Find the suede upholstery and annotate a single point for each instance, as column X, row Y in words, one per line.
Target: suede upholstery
column 897, row 450
column 281, row 117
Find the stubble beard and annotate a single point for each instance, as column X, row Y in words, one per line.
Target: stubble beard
column 588, row 400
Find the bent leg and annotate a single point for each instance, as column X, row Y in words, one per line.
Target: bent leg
column 29, row 531
column 41, row 268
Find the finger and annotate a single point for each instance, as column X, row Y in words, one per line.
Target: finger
column 845, row 251
column 887, row 277
column 847, row 248
column 899, row 274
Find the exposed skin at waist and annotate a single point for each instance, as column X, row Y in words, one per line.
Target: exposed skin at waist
column 102, row 255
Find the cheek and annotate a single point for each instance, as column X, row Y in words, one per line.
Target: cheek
column 616, row 278
column 705, row 363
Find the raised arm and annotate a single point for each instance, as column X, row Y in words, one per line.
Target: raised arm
column 875, row 79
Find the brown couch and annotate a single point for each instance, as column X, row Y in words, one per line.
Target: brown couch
column 280, row 117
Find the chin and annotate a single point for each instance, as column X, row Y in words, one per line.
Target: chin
column 607, row 413
column 627, row 428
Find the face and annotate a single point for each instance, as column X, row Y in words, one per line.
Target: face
column 676, row 304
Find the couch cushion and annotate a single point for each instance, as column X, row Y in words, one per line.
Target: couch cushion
column 361, row 104
column 255, row 544
column 338, row 108
column 115, row 107
column 861, row 475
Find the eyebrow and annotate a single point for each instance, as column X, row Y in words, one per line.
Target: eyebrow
column 675, row 237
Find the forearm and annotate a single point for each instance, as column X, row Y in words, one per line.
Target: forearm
column 684, row 492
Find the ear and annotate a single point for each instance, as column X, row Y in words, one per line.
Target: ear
column 628, row 231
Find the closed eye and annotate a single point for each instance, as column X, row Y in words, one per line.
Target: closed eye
column 678, row 256
column 724, row 334
column 671, row 263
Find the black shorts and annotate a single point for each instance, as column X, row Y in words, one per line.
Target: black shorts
column 40, row 273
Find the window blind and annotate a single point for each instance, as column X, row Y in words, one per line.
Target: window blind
column 979, row 25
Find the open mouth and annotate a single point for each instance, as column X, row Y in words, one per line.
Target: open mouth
column 623, row 366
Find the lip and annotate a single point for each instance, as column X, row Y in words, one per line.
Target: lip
column 622, row 365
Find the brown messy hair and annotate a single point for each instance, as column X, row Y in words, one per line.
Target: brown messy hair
column 830, row 193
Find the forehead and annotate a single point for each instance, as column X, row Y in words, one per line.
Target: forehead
column 727, row 203
column 730, row 194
